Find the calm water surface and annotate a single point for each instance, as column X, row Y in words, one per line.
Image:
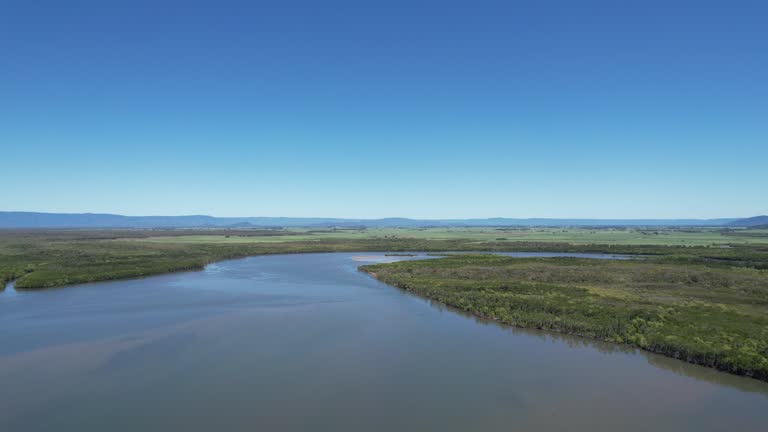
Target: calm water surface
column 306, row 342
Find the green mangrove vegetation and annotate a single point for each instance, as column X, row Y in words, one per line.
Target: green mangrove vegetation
column 712, row 312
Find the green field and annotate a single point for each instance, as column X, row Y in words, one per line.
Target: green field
column 617, row 236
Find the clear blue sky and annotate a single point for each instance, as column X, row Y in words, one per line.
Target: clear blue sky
column 428, row 109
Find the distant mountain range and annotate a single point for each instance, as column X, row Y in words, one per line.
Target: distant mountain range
column 750, row 222
column 95, row 220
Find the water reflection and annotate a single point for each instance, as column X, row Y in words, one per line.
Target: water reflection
column 8, row 289
column 678, row 367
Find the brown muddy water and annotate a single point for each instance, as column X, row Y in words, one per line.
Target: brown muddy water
column 306, row 342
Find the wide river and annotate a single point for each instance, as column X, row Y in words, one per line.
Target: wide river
column 307, row 342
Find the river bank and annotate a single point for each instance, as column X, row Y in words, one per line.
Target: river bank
column 715, row 317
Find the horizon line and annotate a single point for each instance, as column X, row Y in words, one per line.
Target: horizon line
column 380, row 218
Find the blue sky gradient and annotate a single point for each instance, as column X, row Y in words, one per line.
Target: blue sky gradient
column 425, row 109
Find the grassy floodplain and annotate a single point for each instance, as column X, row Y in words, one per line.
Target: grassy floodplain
column 615, row 236
column 46, row 258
